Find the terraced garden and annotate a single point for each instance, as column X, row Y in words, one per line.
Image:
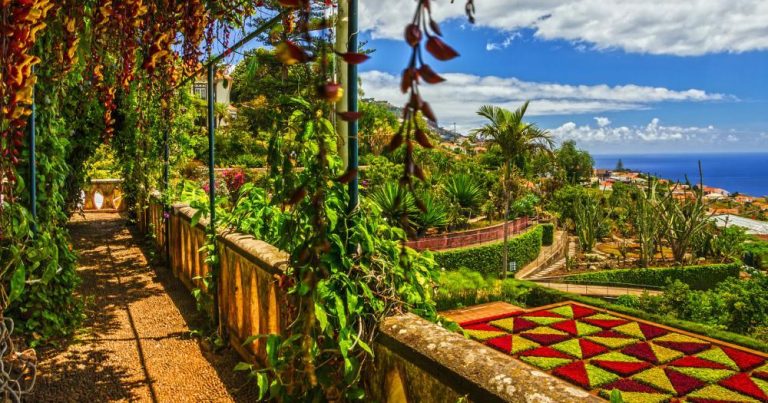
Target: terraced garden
column 602, row 351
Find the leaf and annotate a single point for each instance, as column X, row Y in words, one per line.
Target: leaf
column 322, row 317
column 340, row 312
column 429, row 75
column 352, row 302
column 353, row 58
column 349, row 116
column 196, row 217
column 243, row 366
column 422, row 138
column 17, row 283
column 262, row 381
column 439, row 49
column 347, row 176
column 273, row 347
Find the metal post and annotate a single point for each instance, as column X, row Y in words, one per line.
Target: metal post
column 212, row 191
column 352, row 105
column 33, row 164
column 166, row 183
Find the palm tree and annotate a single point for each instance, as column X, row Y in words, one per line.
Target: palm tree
column 518, row 141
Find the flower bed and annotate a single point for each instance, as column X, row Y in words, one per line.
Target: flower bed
column 601, row 351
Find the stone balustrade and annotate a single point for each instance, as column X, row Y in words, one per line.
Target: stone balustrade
column 415, row 360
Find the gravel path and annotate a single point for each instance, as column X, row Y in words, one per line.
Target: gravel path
column 135, row 344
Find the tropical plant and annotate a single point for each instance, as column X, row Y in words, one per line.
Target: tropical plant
column 517, row 141
column 395, row 204
column 683, row 220
column 644, row 216
column 463, row 190
column 434, row 213
column 589, row 219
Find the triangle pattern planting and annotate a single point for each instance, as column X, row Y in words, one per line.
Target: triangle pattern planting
column 602, row 351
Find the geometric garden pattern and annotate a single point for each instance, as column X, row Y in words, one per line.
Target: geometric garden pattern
column 600, row 351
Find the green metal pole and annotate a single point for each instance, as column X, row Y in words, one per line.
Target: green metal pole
column 33, row 164
column 212, row 191
column 166, row 183
column 352, row 107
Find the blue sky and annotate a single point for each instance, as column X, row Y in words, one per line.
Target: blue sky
column 622, row 76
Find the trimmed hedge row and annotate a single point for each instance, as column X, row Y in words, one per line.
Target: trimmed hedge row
column 487, row 259
column 701, row 277
column 539, row 296
column 548, row 234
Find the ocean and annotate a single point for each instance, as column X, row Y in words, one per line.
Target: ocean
column 746, row 173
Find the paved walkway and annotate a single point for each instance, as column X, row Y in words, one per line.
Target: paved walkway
column 135, row 344
column 481, row 311
column 596, row 290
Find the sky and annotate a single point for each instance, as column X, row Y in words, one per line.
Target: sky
column 619, row 76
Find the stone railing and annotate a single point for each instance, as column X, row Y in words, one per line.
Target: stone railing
column 103, row 195
column 415, row 360
column 470, row 237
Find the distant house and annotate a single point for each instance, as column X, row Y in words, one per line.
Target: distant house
column 744, row 199
column 601, row 174
column 223, row 88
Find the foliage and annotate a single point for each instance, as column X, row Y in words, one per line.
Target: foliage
column 643, row 214
column 518, row 141
column 576, row 164
column 697, row 277
column 589, row 217
column 397, row 206
column 547, row 234
column 683, row 220
column 735, row 305
column 524, row 206
column 755, row 254
column 486, row 259
column 463, row 190
column 465, row 287
column 727, row 244
column 434, row 213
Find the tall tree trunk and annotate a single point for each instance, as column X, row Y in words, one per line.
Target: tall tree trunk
column 505, row 262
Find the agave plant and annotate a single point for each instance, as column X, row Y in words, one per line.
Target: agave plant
column 434, row 214
column 463, row 190
column 394, row 203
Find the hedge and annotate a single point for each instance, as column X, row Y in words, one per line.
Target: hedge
column 548, row 234
column 487, row 259
column 539, row 296
column 701, row 277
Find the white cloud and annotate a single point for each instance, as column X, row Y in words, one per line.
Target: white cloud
column 678, row 27
column 653, row 132
column 503, row 44
column 602, row 121
column 457, row 99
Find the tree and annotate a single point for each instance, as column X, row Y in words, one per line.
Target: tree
column 619, row 166
column 518, row 141
column 576, row 164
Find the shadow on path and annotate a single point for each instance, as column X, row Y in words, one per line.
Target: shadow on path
column 135, row 344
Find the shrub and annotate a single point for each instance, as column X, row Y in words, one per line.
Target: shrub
column 465, row 287
column 697, row 277
column 547, row 234
column 486, row 259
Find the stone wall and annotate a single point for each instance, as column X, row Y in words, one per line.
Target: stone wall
column 415, row 360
